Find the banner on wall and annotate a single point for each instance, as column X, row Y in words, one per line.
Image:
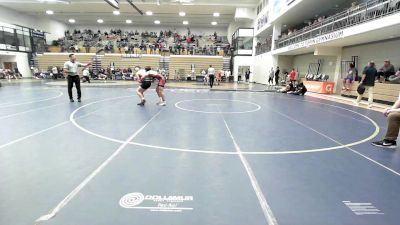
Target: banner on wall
column 38, row 34
column 262, row 21
column 318, row 40
column 320, row 87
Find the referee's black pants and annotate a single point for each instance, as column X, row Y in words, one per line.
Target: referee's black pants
column 211, row 78
column 71, row 81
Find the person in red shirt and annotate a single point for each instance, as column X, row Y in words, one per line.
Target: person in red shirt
column 219, row 77
column 160, row 88
column 293, row 76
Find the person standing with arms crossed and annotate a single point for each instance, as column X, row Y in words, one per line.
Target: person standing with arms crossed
column 71, row 72
column 211, row 75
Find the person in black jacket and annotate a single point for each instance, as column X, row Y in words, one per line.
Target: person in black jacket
column 277, row 72
column 247, row 75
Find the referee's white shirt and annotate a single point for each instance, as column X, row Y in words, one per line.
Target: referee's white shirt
column 72, row 67
column 211, row 71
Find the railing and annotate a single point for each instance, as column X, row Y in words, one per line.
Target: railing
column 148, row 51
column 264, row 47
column 362, row 13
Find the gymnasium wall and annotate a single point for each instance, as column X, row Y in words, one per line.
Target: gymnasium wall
column 264, row 62
column 301, row 63
column 262, row 66
column 377, row 52
column 54, row 28
column 285, row 63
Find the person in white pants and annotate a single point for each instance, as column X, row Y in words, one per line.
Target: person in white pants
column 368, row 80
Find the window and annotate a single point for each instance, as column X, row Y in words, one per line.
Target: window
column 9, row 38
column 262, row 5
column 245, row 43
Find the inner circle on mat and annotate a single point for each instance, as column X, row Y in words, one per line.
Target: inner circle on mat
column 219, row 151
column 217, row 106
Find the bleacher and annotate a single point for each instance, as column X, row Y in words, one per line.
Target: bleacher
column 182, row 65
column 48, row 60
column 125, row 61
column 117, row 42
column 383, row 92
column 178, row 65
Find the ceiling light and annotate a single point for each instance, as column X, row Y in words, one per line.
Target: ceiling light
column 182, row 14
column 157, row 22
column 100, row 21
column 216, row 14
column 113, row 3
column 149, row 13
column 185, row 22
column 71, row 21
column 116, row 12
column 128, row 21
column 49, row 12
column 214, row 23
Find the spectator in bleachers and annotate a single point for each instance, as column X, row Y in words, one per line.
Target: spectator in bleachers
column 10, row 74
column 178, row 44
column 2, row 74
column 288, row 88
column 102, row 75
column 300, row 89
column 351, row 74
column 86, row 75
column 17, row 73
column 218, row 78
column 386, row 70
column 55, row 72
column 354, row 6
column 395, row 79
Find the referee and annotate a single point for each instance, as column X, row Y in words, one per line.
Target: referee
column 71, row 72
column 211, row 75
